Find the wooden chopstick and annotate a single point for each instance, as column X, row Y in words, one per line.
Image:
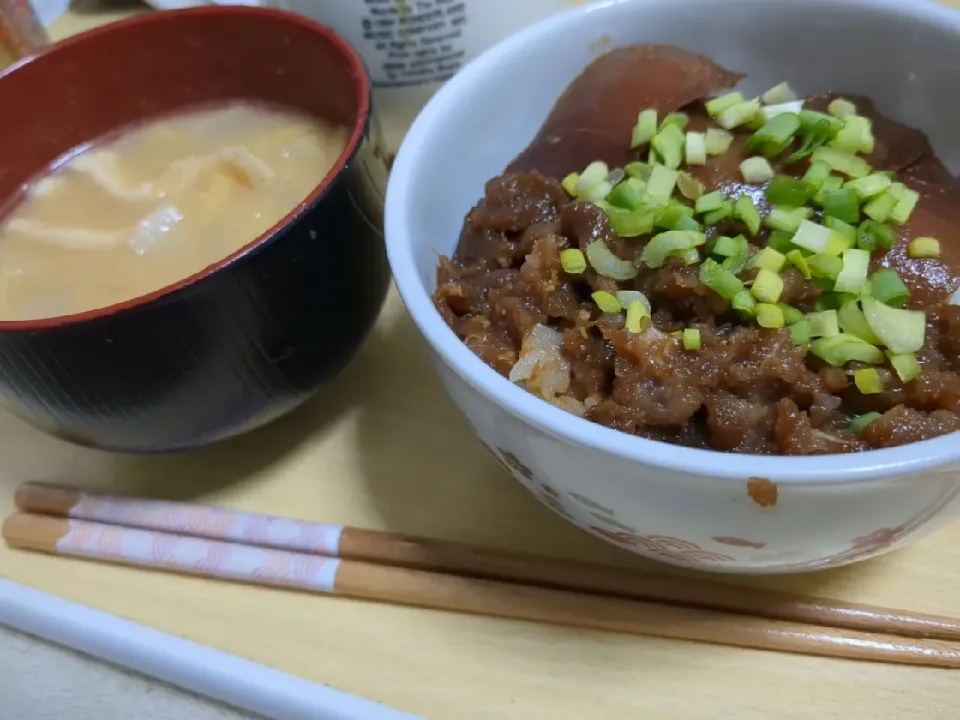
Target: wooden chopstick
column 190, row 555
column 459, row 559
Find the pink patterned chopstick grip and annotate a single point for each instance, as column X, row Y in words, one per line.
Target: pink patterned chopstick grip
column 198, row 556
column 211, row 523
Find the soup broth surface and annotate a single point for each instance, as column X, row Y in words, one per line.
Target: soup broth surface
column 156, row 204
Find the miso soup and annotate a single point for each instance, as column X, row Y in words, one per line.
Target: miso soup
column 156, row 204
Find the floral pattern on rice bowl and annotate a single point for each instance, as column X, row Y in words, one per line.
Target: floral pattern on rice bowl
column 663, row 547
column 702, row 549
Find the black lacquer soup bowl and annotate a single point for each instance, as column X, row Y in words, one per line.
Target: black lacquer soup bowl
column 250, row 337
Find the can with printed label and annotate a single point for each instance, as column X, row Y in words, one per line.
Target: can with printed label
column 411, row 47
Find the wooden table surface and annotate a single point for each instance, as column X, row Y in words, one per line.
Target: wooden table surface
column 384, row 448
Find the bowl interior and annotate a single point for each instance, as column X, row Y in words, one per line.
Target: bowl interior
column 904, row 56
column 125, row 73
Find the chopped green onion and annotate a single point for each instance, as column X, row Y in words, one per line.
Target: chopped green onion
column 887, row 287
column 897, row 189
column 842, row 162
column 691, row 339
column 906, row 202
column 669, row 144
column 738, row 114
column 767, row 286
column 570, row 183
column 607, row 302
column 811, row 236
column 756, row 122
column 834, row 182
column 573, row 261
column 781, row 93
column 880, row 207
column 872, row 235
column 598, row 192
column 924, row 247
column 800, row 332
column 824, row 323
column 718, row 141
column 769, row 259
column 636, row 311
column 840, row 349
column 771, row 139
column 594, row 174
column 869, row 186
column 722, row 213
column 788, row 191
column 628, row 223
column 736, row 263
column 853, row 321
column 828, row 299
column 675, row 118
column 853, row 277
column 689, row 186
column 769, row 316
column 799, row 261
column 748, row 213
column 721, row 281
column 743, row 302
column 905, row 365
column 685, row 222
column 723, row 102
column 625, row 196
column 756, row 170
column 674, row 217
column 725, row 246
column 825, row 266
column 669, row 244
column 787, row 219
column 652, row 157
column 690, row 256
column 645, row 128
column 902, row 331
column 816, row 129
column 625, row 297
column 859, row 423
column 780, row 241
column 845, row 229
column 607, row 264
column 841, row 204
column 771, row 111
column 816, row 121
column 710, row 201
column 695, row 151
column 791, row 315
column 662, row 182
column 638, row 170
column 841, row 108
column 856, row 135
column 837, row 243
column 734, row 250
column 816, row 174
column 869, row 381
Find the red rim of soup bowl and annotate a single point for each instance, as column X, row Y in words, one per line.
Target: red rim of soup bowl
column 361, row 83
